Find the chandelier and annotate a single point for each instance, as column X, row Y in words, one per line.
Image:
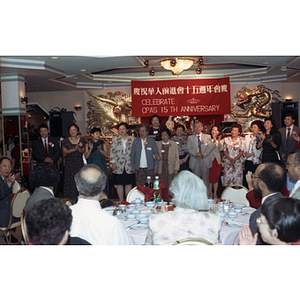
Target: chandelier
column 177, row 65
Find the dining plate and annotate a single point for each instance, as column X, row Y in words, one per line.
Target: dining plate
column 139, row 226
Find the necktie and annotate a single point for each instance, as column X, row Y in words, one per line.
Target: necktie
column 288, row 135
column 46, row 147
column 199, row 143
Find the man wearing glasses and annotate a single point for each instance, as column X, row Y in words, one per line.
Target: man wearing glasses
column 268, row 180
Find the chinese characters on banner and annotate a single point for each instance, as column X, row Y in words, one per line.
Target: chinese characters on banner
column 181, row 97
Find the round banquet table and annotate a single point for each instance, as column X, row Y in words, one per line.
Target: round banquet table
column 229, row 235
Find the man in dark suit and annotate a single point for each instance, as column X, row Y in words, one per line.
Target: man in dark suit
column 143, row 156
column 268, row 180
column 288, row 143
column 43, row 178
column 45, row 148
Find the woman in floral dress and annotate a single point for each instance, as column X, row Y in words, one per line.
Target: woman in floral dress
column 121, row 162
column 234, row 148
column 73, row 148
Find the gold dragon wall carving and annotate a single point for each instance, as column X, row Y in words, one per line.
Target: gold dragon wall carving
column 106, row 113
column 253, row 104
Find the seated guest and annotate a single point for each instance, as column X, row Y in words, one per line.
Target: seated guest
column 190, row 218
column 254, row 200
column 278, row 223
column 90, row 221
column 293, row 168
column 268, row 180
column 43, row 178
column 7, row 179
column 48, row 223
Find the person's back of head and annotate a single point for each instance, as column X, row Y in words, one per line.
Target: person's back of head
column 90, row 181
column 274, row 176
column 283, row 214
column 189, row 191
column 44, row 174
column 48, row 222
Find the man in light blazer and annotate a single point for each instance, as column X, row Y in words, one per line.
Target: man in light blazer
column 199, row 145
column 288, row 143
column 49, row 153
column 143, row 153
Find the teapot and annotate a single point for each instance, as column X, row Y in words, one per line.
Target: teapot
column 117, row 211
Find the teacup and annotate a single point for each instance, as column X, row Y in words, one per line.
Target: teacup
column 232, row 214
column 222, row 216
column 171, row 203
column 131, row 216
column 122, row 206
column 238, row 209
column 140, row 216
column 150, row 204
column 110, row 212
column 135, row 212
column 137, row 201
column 143, row 220
column 129, row 206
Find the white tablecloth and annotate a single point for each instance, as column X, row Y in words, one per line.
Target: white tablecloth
column 229, row 235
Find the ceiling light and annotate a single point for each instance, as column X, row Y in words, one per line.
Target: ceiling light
column 83, row 70
column 177, row 65
column 54, row 57
column 152, row 72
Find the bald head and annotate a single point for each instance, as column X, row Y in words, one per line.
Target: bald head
column 273, row 175
column 90, row 181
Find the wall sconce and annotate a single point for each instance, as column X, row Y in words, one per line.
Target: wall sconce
column 288, row 99
column 77, row 107
column 24, row 100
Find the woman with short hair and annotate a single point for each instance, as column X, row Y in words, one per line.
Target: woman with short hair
column 190, row 218
column 181, row 140
column 278, row 224
column 168, row 158
column 234, row 147
column 156, row 128
column 120, row 160
column 73, row 148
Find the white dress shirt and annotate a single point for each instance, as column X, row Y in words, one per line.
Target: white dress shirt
column 143, row 160
column 95, row 225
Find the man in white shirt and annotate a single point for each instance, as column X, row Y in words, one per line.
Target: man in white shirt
column 268, row 180
column 90, row 221
column 293, row 168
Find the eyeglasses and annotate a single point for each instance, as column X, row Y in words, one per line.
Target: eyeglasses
column 288, row 163
column 259, row 222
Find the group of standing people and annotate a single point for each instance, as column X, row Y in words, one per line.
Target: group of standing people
column 76, row 152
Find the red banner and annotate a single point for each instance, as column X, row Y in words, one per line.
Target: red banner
column 181, row 97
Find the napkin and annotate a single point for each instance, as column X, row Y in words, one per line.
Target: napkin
column 148, row 192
